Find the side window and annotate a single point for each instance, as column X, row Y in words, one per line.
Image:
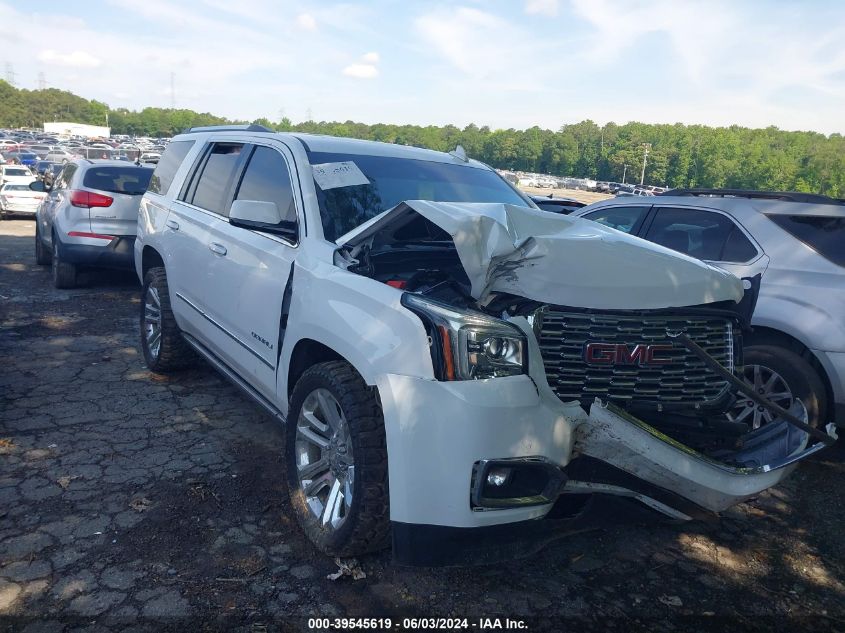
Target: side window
column 620, row 218
column 700, row 234
column 267, row 178
column 65, row 177
column 168, row 165
column 215, row 178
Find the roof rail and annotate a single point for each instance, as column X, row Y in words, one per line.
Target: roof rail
column 787, row 196
column 228, row 128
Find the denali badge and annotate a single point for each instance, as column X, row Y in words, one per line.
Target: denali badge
column 620, row 354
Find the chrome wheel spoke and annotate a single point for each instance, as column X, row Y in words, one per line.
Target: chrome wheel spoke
column 311, row 470
column 316, row 485
column 314, row 437
column 329, row 409
column 331, row 513
column 324, row 456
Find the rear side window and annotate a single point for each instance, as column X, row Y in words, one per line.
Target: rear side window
column 620, row 218
column 701, row 234
column 129, row 180
column 824, row 234
column 267, row 179
column 168, row 165
column 215, row 180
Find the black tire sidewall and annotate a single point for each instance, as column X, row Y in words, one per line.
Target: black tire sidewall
column 329, row 541
column 803, row 381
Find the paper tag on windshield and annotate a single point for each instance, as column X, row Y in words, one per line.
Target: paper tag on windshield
column 334, row 175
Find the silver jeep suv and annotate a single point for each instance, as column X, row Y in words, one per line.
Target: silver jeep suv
column 796, row 243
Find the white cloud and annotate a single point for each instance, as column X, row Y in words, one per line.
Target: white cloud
column 361, row 71
column 542, row 7
column 306, row 22
column 76, row 59
column 370, row 58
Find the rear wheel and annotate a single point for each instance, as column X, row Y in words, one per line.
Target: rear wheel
column 337, row 461
column 64, row 273
column 42, row 254
column 164, row 348
column 781, row 376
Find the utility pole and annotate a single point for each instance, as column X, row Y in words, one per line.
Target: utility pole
column 624, row 171
column 646, row 147
column 42, row 81
column 173, row 90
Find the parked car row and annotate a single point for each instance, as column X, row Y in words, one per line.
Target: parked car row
column 417, row 320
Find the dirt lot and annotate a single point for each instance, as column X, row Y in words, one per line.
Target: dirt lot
column 134, row 502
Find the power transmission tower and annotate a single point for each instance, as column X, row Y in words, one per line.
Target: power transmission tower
column 173, row 90
column 10, row 74
column 42, row 81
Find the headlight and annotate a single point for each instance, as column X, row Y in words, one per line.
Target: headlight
column 469, row 345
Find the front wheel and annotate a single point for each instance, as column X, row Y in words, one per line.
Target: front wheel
column 164, row 348
column 42, row 255
column 336, row 459
column 781, row 376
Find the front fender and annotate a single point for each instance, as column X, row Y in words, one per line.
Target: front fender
column 357, row 317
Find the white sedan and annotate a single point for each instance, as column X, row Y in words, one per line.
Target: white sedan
column 16, row 197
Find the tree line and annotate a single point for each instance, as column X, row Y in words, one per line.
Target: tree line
column 679, row 155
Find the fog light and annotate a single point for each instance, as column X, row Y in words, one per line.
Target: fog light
column 498, row 476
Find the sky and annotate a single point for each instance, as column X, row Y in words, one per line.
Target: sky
column 500, row 63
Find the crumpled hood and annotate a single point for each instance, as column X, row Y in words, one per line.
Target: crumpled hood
column 558, row 259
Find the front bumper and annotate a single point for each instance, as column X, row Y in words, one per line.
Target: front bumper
column 439, row 432
column 834, row 366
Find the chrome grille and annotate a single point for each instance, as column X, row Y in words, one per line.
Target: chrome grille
column 683, row 381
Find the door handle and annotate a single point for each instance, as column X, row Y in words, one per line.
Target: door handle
column 217, row 249
column 172, row 224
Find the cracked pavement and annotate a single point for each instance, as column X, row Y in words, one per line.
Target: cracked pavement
column 130, row 501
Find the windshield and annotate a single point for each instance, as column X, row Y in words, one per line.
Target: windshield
column 346, row 203
column 128, row 180
column 16, row 188
column 17, row 172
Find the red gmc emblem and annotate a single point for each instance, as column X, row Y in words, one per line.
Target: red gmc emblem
column 620, row 354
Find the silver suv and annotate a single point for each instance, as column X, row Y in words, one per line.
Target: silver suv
column 89, row 218
column 796, row 243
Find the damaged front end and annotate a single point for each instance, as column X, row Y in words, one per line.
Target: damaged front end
column 637, row 345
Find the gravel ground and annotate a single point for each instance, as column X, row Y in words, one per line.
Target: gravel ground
column 129, row 501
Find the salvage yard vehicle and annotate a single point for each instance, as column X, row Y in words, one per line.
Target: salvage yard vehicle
column 17, row 198
column 461, row 373
column 88, row 219
column 796, row 242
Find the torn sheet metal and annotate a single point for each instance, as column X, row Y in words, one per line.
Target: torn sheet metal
column 557, row 259
column 615, row 437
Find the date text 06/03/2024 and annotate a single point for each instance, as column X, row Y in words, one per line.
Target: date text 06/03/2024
column 416, row 624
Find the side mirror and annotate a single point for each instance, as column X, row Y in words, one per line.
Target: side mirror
column 259, row 215
column 38, row 185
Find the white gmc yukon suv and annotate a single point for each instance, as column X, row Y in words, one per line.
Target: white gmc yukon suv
column 461, row 374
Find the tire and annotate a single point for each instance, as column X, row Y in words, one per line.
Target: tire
column 64, row 273
column 42, row 254
column 365, row 524
column 164, row 349
column 789, row 374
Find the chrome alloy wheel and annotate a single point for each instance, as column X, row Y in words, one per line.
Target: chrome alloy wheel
column 152, row 321
column 767, row 383
column 324, row 459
